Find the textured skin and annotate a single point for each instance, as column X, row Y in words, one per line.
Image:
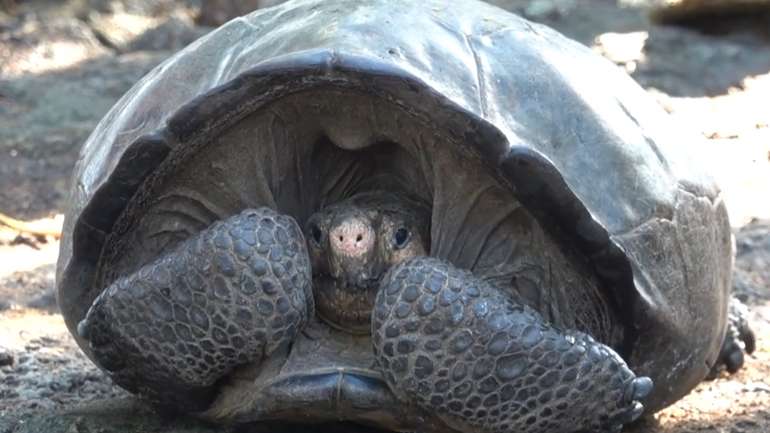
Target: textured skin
column 739, row 339
column 228, row 296
column 456, row 345
column 739, row 326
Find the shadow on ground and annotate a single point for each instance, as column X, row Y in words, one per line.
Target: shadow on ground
column 127, row 414
column 45, row 118
column 62, row 76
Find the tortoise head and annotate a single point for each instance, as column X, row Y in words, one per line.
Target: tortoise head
column 353, row 243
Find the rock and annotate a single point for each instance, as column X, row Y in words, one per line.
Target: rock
column 540, row 9
column 150, row 8
column 33, row 288
column 582, row 20
column 625, row 49
column 137, row 31
column 674, row 10
column 118, row 30
column 718, row 17
column 218, row 12
column 172, row 35
column 128, row 33
column 682, row 62
column 753, row 238
column 119, row 24
column 751, row 277
column 32, row 43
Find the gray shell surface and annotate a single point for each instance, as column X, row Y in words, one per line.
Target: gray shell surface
column 581, row 145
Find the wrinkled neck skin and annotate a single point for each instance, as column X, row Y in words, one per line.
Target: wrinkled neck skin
column 353, row 243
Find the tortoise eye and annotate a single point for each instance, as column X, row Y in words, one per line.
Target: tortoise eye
column 316, row 233
column 401, row 238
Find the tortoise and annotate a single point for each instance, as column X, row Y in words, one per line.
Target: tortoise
column 434, row 216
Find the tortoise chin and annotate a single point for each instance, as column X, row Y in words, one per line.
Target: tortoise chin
column 346, row 307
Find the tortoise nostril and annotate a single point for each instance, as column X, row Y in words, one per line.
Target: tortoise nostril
column 352, row 237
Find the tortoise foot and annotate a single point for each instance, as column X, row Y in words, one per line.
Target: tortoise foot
column 228, row 296
column 739, row 340
column 457, row 346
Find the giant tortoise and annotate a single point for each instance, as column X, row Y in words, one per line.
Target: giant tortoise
column 430, row 216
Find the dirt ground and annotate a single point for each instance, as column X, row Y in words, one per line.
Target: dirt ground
column 64, row 63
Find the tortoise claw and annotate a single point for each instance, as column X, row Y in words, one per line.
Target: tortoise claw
column 734, row 361
column 632, row 413
column 638, row 389
column 636, row 411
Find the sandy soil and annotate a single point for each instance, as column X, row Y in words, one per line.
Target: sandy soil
column 67, row 62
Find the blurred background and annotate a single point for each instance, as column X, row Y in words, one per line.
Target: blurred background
column 63, row 64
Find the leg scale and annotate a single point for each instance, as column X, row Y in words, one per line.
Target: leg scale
column 453, row 344
column 228, row 296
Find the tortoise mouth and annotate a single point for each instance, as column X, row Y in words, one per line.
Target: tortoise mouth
column 344, row 306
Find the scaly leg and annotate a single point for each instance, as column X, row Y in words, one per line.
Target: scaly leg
column 455, row 345
column 228, row 296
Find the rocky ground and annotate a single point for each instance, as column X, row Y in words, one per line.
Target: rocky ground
column 64, row 63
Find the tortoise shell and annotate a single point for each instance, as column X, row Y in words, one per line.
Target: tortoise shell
column 474, row 90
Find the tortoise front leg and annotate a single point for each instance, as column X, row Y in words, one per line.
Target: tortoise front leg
column 228, row 296
column 457, row 346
